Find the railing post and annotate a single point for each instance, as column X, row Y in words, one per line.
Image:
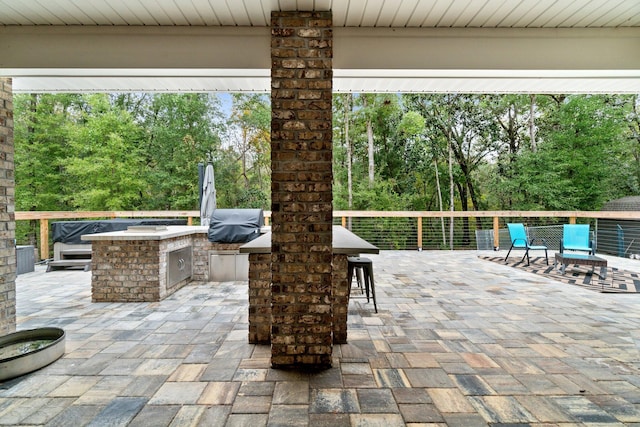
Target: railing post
column 344, row 221
column 572, row 220
column 419, row 233
column 189, row 220
column 44, row 239
column 496, row 233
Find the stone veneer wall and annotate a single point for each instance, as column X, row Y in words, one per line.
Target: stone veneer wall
column 301, row 188
column 7, row 211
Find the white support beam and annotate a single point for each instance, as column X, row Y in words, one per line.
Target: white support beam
column 233, row 59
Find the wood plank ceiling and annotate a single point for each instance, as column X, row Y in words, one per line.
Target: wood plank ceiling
column 347, row 13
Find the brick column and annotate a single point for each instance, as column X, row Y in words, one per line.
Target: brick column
column 7, row 212
column 259, row 298
column 301, row 192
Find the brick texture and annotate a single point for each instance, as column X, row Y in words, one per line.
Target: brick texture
column 259, row 298
column 7, row 212
column 301, row 163
column 133, row 270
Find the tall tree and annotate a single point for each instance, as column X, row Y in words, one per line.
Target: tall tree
column 106, row 161
column 181, row 131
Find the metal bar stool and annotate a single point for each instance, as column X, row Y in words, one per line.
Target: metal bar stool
column 362, row 266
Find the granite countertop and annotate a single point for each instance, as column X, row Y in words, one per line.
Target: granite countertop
column 162, row 233
column 344, row 242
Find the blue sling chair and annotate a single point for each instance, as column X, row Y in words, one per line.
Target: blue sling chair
column 520, row 240
column 575, row 237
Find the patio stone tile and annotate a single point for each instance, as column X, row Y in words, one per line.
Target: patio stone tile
column 397, row 360
column 247, row 420
column 157, row 367
column 411, row 395
column 75, row 386
column 472, row 385
column 334, row 401
column 420, row 413
column 288, row 416
column 104, row 390
column 144, row 386
column 178, row 393
column 251, row 405
column 250, row 375
column 355, row 369
column 155, row 415
column 219, row 393
column 466, row 420
column 539, row 384
column 121, row 367
column 201, row 353
column 330, row 420
column 45, row 413
column 377, row 420
column 391, row 378
column 329, row 378
column 359, row 381
column 505, row 384
column 188, row 372
column 427, row 377
column 544, row 409
column 421, row 360
column 12, row 412
column 214, row 416
column 376, row 401
column 620, row 408
column 581, row 409
column 479, row 361
column 120, row 411
column 75, row 415
column 187, row 416
column 254, row 388
column 291, row 393
column 450, row 400
column 501, row 409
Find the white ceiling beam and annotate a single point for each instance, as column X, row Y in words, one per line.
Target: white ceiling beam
column 365, row 59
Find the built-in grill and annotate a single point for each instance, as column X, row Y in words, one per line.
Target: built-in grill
column 228, row 230
column 235, row 225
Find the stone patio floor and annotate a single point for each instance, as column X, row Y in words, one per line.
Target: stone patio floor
column 457, row 341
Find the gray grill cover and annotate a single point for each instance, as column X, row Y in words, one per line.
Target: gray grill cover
column 72, row 231
column 235, row 225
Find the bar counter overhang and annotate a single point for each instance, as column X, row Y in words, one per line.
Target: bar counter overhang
column 345, row 243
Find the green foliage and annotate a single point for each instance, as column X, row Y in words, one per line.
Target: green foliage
column 106, row 163
column 141, row 151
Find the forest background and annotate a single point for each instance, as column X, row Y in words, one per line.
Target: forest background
column 134, row 151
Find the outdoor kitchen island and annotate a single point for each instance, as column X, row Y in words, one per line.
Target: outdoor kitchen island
column 345, row 243
column 147, row 263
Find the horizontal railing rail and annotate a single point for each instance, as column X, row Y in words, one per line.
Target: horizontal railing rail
column 386, row 229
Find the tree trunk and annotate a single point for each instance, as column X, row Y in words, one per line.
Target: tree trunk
column 532, row 123
column 451, row 193
column 370, row 144
column 444, row 236
column 347, row 110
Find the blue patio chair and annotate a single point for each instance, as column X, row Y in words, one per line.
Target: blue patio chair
column 576, row 237
column 520, row 240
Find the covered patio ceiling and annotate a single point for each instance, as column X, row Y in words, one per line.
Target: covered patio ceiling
column 475, row 46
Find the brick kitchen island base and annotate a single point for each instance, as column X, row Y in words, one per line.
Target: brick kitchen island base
column 149, row 265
